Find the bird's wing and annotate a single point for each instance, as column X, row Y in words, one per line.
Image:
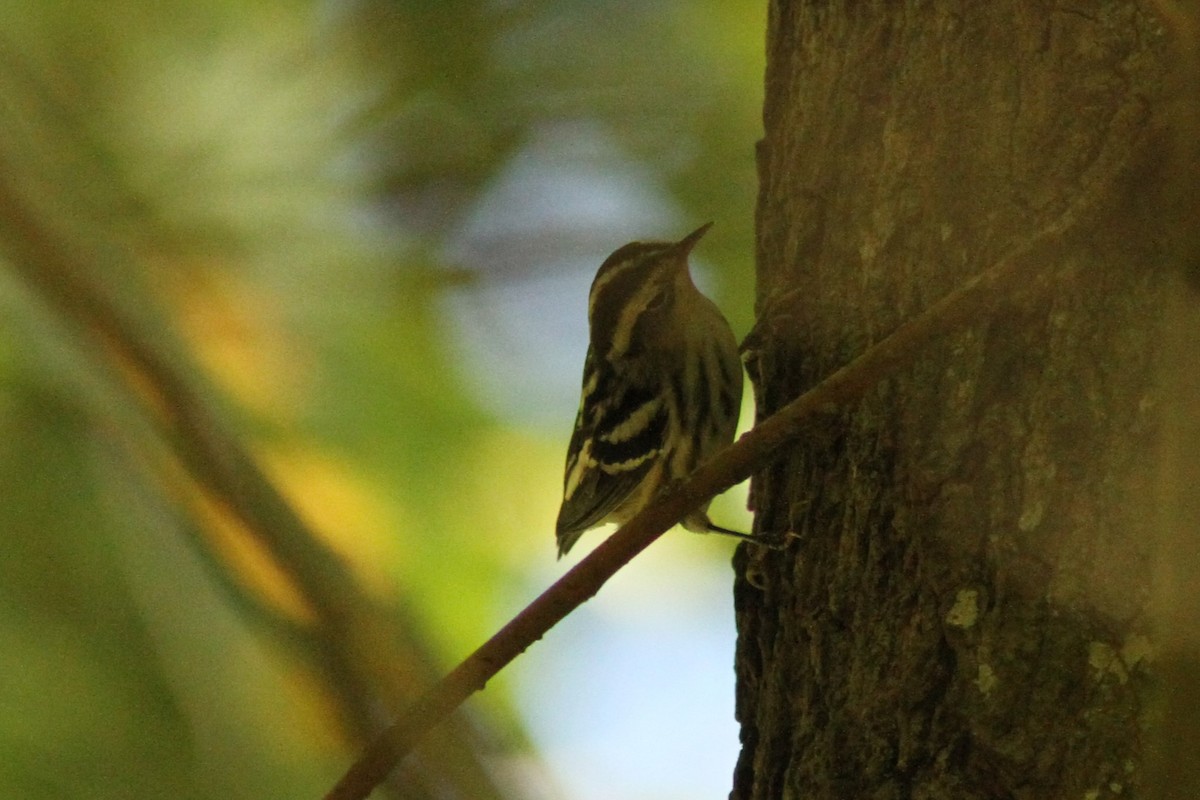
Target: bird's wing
column 619, row 433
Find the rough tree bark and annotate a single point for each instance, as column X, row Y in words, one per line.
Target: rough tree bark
column 965, row 613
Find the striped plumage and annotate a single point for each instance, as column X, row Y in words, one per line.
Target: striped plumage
column 662, row 385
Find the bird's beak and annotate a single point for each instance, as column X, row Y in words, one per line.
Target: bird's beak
column 685, row 245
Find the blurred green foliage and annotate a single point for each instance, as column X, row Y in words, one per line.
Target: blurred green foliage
column 270, row 192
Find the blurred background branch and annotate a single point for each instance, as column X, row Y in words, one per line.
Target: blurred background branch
column 370, row 656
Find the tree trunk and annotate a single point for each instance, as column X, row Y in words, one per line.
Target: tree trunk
column 965, row 611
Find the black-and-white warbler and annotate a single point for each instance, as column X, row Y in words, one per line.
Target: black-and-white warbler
column 662, row 386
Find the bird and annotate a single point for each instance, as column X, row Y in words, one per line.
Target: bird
column 662, row 388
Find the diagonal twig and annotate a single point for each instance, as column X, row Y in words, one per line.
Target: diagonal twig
column 751, row 452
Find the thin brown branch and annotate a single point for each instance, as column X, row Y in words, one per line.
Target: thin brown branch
column 756, row 449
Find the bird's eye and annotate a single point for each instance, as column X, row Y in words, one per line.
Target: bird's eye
column 658, row 301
